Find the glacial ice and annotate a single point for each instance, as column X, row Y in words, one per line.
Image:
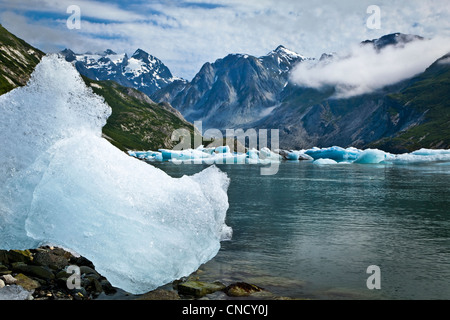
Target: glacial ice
column 372, row 156
column 14, row 292
column 334, row 153
column 322, row 161
column 315, row 155
column 62, row 183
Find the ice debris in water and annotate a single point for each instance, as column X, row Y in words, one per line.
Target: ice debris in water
column 332, row 155
column 62, row 183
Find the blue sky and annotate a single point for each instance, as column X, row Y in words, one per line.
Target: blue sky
column 186, row 34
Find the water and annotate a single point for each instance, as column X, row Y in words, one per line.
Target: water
column 312, row 231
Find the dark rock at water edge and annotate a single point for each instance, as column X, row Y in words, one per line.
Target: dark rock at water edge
column 43, row 273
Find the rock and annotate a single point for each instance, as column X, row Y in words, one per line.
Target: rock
column 9, row 279
column 160, row 295
column 26, row 282
column 242, row 289
column 89, row 271
column 199, row 289
column 80, row 294
column 91, row 284
column 4, row 257
column 19, row 256
column 4, row 270
column 81, row 261
column 51, row 260
column 107, row 287
column 63, row 253
column 63, row 275
column 2, row 284
column 37, row 271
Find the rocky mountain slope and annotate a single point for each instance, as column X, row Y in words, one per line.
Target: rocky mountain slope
column 234, row 91
column 17, row 61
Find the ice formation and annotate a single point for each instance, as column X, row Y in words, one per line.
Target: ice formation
column 63, row 184
column 334, row 153
column 315, row 155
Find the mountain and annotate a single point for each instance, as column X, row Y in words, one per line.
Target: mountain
column 141, row 71
column 428, row 95
column 234, row 91
column 393, row 39
column 136, row 121
column 17, row 61
column 406, row 116
column 241, row 91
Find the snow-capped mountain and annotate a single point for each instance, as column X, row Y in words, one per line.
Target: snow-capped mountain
column 242, row 91
column 234, row 91
column 141, row 71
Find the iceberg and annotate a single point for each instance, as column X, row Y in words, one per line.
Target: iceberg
column 324, row 162
column 335, row 153
column 372, row 156
column 62, row 183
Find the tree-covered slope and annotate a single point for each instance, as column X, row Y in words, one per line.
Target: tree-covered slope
column 136, row 122
column 429, row 95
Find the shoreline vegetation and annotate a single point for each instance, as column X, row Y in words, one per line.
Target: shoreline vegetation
column 42, row 274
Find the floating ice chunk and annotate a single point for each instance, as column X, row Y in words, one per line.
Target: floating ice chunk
column 253, row 154
column 371, row 156
column 324, row 162
column 431, row 152
column 267, row 155
column 223, row 149
column 412, row 158
column 140, row 227
column 298, row 155
column 334, row 153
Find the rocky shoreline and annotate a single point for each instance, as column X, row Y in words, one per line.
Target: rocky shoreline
column 44, row 274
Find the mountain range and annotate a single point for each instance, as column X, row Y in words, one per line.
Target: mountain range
column 241, row 91
column 141, row 71
column 136, row 122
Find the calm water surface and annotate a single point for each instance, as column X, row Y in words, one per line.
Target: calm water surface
column 312, row 231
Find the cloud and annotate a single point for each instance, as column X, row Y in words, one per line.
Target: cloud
column 185, row 34
column 364, row 70
column 89, row 9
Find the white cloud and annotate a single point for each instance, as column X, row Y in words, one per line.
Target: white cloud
column 186, row 34
column 364, row 70
column 89, row 9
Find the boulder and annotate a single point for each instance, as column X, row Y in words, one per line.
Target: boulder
column 4, row 257
column 199, row 289
column 160, row 295
column 19, row 256
column 37, row 271
column 50, row 259
column 26, row 282
column 4, row 270
column 242, row 289
column 8, row 279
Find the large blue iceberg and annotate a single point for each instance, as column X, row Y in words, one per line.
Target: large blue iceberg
column 63, row 184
